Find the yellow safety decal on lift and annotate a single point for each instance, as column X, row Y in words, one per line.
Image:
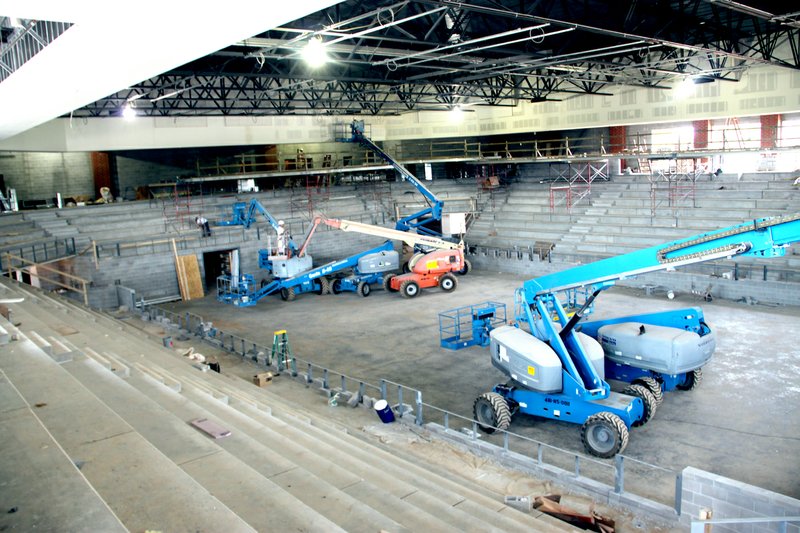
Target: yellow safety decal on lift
column 431, row 264
column 532, row 370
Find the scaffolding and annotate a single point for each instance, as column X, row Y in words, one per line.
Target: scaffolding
column 673, row 182
column 572, row 182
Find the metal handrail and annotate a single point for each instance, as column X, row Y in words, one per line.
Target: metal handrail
column 699, row 526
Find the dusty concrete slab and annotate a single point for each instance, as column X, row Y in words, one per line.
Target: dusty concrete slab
column 739, row 423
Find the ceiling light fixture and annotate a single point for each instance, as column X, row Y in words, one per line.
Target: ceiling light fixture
column 314, row 53
column 128, row 112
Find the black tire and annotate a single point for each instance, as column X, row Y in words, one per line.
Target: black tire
column 466, row 269
column 288, row 294
column 653, row 386
column 363, row 288
column 691, row 380
column 387, row 282
column 336, row 286
column 409, row 288
column 491, row 412
column 406, row 268
column 324, row 286
column 267, row 281
column 604, row 435
column 649, row 401
column 448, row 283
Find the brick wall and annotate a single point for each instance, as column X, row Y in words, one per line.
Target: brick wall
column 40, row 175
column 727, row 498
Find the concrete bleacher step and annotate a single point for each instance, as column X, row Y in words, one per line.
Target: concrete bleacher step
column 34, row 468
column 222, row 474
column 121, row 466
column 161, row 373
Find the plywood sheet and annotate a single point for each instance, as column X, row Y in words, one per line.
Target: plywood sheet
column 191, row 275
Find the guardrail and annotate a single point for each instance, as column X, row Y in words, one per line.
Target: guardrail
column 408, row 401
column 44, row 250
column 700, row 526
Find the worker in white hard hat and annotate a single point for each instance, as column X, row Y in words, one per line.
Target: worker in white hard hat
column 281, row 238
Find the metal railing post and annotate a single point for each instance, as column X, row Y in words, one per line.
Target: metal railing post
column 418, row 419
column 383, row 389
column 678, row 492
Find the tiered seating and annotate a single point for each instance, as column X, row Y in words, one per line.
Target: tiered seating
column 120, row 411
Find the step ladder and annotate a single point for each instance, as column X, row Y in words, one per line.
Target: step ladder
column 281, row 352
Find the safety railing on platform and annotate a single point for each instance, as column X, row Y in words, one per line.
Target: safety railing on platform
column 45, row 250
column 18, row 267
column 408, row 402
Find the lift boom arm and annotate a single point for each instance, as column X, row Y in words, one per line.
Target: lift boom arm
column 764, row 237
column 411, row 239
column 435, row 205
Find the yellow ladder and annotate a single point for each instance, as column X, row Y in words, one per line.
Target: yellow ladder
column 281, row 352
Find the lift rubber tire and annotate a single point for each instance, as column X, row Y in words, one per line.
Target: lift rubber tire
column 653, row 386
column 491, row 412
column 336, row 286
column 266, row 281
column 363, row 288
column 466, row 269
column 448, row 283
column 324, row 286
column 288, row 294
column 649, row 401
column 409, row 289
column 692, row 380
column 604, row 435
column 387, row 282
column 406, row 268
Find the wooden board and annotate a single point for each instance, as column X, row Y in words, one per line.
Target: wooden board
column 191, row 276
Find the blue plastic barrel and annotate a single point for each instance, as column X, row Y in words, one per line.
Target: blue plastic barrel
column 384, row 411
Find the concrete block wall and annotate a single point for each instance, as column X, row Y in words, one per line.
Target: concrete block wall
column 727, row 498
column 133, row 173
column 765, row 292
column 40, row 175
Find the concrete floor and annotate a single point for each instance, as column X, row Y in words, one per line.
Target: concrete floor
column 741, row 422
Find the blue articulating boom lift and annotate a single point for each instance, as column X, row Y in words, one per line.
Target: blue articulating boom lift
column 558, row 372
column 426, row 221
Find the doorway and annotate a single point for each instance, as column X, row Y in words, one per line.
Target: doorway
column 216, row 264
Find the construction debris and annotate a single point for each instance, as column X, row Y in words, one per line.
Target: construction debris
column 551, row 505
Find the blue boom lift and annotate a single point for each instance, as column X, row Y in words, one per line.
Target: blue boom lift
column 558, row 372
column 426, row 221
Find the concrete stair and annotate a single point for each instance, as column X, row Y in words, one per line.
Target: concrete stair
column 123, row 401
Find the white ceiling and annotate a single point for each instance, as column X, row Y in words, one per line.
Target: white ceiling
column 105, row 52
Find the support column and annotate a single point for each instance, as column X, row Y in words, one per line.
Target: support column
column 617, row 142
column 770, row 127
column 701, row 131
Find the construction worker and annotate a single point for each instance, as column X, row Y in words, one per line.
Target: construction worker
column 202, row 223
column 281, row 238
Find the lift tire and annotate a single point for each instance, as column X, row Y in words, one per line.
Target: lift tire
column 288, row 294
column 387, row 282
column 466, row 269
column 409, row 289
column 266, row 281
column 363, row 288
column 324, row 286
column 649, row 401
column 491, row 412
column 653, row 386
column 406, row 268
column 692, row 380
column 336, row 286
column 604, row 435
column 448, row 283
